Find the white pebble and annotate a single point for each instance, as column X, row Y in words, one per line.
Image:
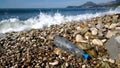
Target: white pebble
column 110, row 34
column 111, row 61
column 54, row 63
column 79, row 38
column 105, row 59
column 97, row 42
column 94, row 31
column 83, row 66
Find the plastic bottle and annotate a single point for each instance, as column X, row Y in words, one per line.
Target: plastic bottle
column 68, row 46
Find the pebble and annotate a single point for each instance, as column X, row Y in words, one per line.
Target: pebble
column 104, row 40
column 92, row 53
column 111, row 61
column 54, row 63
column 110, row 34
column 83, row 45
column 79, row 38
column 112, row 26
column 94, row 31
column 82, row 29
column 58, row 51
column 97, row 42
column 66, row 64
column 100, row 26
column 83, row 66
column 88, row 35
column 105, row 59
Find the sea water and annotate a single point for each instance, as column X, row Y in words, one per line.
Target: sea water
column 36, row 18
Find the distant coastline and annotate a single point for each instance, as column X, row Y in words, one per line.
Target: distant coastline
column 91, row 4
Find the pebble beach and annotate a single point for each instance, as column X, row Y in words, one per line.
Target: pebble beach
column 35, row 48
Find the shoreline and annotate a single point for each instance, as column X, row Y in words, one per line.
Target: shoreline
column 35, row 48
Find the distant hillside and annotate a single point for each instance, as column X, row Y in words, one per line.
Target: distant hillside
column 108, row 3
column 115, row 5
column 111, row 4
column 117, row 0
column 90, row 4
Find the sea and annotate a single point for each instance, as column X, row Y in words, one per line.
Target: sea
column 20, row 19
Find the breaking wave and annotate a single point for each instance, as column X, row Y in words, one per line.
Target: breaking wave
column 43, row 19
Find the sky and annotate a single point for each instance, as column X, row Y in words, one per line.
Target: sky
column 44, row 3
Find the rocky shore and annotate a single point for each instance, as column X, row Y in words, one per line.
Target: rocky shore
column 35, row 48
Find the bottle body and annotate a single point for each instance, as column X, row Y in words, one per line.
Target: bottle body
column 68, row 46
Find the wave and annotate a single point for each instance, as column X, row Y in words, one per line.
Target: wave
column 46, row 20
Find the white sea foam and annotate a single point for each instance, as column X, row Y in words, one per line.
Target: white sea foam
column 14, row 24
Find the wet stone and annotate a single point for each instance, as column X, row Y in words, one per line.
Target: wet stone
column 2, row 36
column 113, row 47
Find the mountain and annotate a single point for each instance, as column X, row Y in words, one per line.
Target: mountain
column 90, row 4
column 111, row 4
column 107, row 4
column 117, row 0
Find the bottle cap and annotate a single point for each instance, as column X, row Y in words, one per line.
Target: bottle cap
column 85, row 55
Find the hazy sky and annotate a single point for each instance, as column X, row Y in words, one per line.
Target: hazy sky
column 44, row 3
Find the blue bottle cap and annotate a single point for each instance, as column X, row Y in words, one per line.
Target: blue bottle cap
column 85, row 55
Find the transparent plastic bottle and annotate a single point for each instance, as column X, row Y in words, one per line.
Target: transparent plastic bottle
column 68, row 46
